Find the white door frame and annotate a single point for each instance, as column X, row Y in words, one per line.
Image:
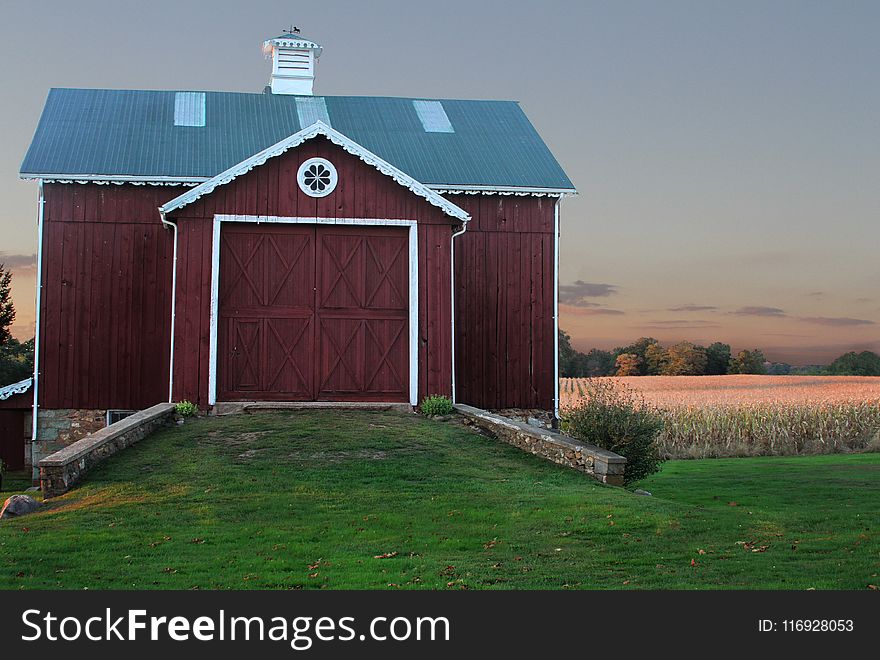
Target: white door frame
column 366, row 222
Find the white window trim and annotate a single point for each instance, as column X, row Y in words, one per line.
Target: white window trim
column 331, row 169
column 366, row 222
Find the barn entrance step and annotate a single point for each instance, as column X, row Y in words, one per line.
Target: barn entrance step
column 238, row 407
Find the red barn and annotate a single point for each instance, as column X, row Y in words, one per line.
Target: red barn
column 217, row 246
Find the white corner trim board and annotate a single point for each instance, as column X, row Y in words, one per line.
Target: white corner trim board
column 556, row 237
column 368, row 222
column 337, row 138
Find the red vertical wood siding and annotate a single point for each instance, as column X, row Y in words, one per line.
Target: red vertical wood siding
column 504, row 331
column 107, row 280
column 106, row 297
column 271, row 189
column 12, row 439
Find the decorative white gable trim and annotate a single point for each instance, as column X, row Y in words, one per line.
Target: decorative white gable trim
column 20, row 387
column 337, row 138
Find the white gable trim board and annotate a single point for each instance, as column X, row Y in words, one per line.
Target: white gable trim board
column 267, row 219
column 318, row 128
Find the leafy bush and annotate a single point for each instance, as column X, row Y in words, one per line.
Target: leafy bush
column 436, row 404
column 186, row 409
column 615, row 418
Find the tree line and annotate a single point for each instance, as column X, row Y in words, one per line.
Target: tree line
column 647, row 357
column 16, row 358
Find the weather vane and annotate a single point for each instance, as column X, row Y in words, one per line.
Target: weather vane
column 293, row 30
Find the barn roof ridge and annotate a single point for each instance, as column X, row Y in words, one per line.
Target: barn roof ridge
column 293, row 141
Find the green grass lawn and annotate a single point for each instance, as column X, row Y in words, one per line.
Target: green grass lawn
column 327, row 499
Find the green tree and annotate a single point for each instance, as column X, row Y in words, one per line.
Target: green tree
column 567, row 356
column 685, row 359
column 866, row 363
column 656, row 360
column 639, row 348
column 628, row 364
column 596, row 363
column 778, row 369
column 7, row 309
column 16, row 361
column 748, row 362
column 717, row 359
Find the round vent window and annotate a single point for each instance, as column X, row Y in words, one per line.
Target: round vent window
column 317, row 177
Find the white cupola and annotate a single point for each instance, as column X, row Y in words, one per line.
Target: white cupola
column 293, row 62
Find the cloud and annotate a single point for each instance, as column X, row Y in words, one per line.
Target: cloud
column 678, row 325
column 576, row 294
column 693, row 308
column 593, row 310
column 756, row 310
column 18, row 262
column 835, row 321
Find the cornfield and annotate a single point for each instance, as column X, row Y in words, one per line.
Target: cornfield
column 715, row 416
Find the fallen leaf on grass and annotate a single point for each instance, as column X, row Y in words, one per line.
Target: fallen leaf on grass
column 732, row 504
column 197, row 541
column 490, row 544
column 385, row 555
column 752, row 546
column 873, row 587
column 700, row 551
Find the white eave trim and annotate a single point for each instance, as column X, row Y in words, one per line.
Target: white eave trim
column 337, row 138
column 451, row 189
column 119, row 179
column 20, row 387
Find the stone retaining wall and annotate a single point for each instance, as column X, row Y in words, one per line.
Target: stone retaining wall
column 59, row 427
column 59, row 471
column 601, row 464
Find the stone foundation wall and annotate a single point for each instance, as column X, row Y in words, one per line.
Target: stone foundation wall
column 600, row 464
column 59, row 471
column 60, row 427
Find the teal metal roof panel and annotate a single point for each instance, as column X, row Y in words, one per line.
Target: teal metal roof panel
column 98, row 132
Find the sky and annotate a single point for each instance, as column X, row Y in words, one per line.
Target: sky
column 726, row 154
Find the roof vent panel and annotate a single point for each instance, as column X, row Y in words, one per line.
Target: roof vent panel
column 433, row 117
column 189, row 109
column 310, row 109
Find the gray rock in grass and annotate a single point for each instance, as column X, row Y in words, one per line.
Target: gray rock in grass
column 19, row 505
